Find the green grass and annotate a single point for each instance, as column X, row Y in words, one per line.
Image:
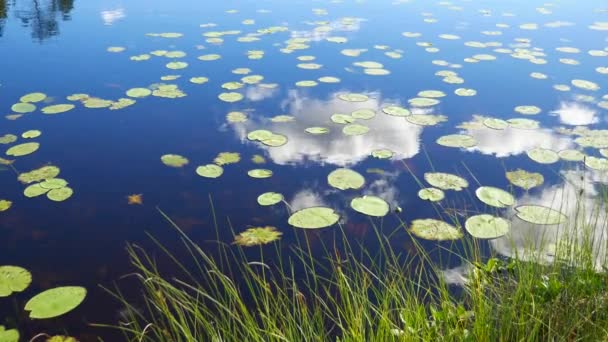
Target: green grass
column 347, row 293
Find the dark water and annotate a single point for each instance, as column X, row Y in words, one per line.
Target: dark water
column 59, row 48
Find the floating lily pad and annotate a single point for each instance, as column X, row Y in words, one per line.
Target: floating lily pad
column 314, row 218
column 176, row 65
column 269, row 198
column 345, row 179
column 257, row 236
column 252, row 79
column 37, row 175
column 396, row 111
column 524, row 179
column 431, row 93
column 494, row 123
column 5, row 205
column 457, row 140
column 232, row 85
column 494, row 196
column 122, row 103
column 10, row 335
column 35, row 190
column 53, row 183
column 174, row 160
column 383, row 153
column 225, row 158
column 94, row 102
column 543, row 155
column 520, row 123
column 317, row 130
column 283, row 118
column 446, row 181
column 33, row 97
column 209, row 171
column 55, row 302
column 370, row 205
column 23, row 107
column 139, row 92
column 8, row 139
column 342, row 118
column 34, row 133
column 586, row 85
column 487, row 226
column 306, row 83
column 465, row 92
column 57, row 109
column 275, row 140
column 236, row 117
column 537, row 214
column 571, row 155
column 259, row 135
column 329, row 79
column 23, row 149
column 353, row 97
column 60, row 195
column 230, row 97
column 13, row 279
column 210, row 57
column 199, row 80
column 596, row 163
column 423, row 102
column 355, row 129
column 431, row 194
column 431, row 229
column 528, row 110
column 376, row 72
column 363, row 114
column 259, row 173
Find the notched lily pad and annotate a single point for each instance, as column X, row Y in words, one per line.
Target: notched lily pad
column 537, row 214
column 370, row 205
column 494, row 196
column 13, row 279
column 457, row 140
column 431, row 229
column 55, row 302
column 487, row 226
column 314, row 218
column 345, row 179
column 174, row 160
column 209, row 171
column 543, row 155
column 524, row 179
column 431, row 194
column 446, row 181
column 269, row 198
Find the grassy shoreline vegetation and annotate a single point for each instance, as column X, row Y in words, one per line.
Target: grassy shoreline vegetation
column 552, row 287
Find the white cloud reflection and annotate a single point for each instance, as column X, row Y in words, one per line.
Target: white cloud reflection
column 576, row 114
column 112, row 15
column 513, row 141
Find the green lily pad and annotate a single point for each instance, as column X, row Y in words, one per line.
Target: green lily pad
column 209, row 171
column 457, row 140
column 35, row 190
column 54, row 183
column 383, row 153
column 33, row 133
column 259, row 135
column 317, row 130
column 236, row 117
column 23, row 149
column 396, row 111
column 283, row 118
column 269, row 198
column 57, row 109
column 370, row 205
column 537, row 214
column 571, row 155
column 77, row 97
column 232, row 85
column 363, row 114
column 11, row 335
column 306, row 83
column 376, row 72
column 586, row 85
column 596, row 163
column 495, row 123
column 487, row 226
column 199, row 80
column 55, row 302
column 524, row 179
column 5, row 205
column 521, row 123
column 13, row 279
column 446, row 181
column 252, row 79
column 60, row 194
column 176, row 65
column 431, row 194
column 45, row 172
column 275, row 140
column 423, row 102
column 139, row 92
column 355, row 129
column 431, row 229
column 8, row 139
column 309, row 66
column 23, row 107
column 431, row 93
column 257, row 236
column 329, row 79
column 342, row 119
column 353, row 97
column 259, row 173
column 528, row 110
column 33, row 97
column 345, row 179
column 174, row 160
column 494, row 196
column 210, row 57
column 465, row 92
column 314, row 218
column 543, row 155
column 225, row 158
column 231, row 97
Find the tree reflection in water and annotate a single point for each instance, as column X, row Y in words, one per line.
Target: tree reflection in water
column 41, row 16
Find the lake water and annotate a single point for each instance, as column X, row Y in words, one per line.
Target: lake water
column 490, row 49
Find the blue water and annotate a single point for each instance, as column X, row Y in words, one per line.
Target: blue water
column 59, row 48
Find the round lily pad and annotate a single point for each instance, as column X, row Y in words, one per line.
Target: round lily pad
column 139, row 92
column 431, row 229
column 353, row 97
column 364, row 114
column 60, row 194
column 269, row 198
column 537, row 214
column 13, row 279
column 230, row 97
column 431, row 194
column 35, row 190
column 596, row 163
column 457, row 140
column 275, row 140
column 370, row 205
column 355, row 129
column 494, row 196
column 495, row 123
column 383, row 153
column 524, row 179
column 259, row 135
column 259, row 173
column 23, row 107
column 342, row 119
column 209, row 171
column 314, row 218
column 571, row 155
column 521, row 123
column 33, row 133
column 306, row 83
column 528, row 110
column 396, row 111
column 446, row 181
column 5, row 205
column 543, row 155
column 225, row 158
column 329, row 79
column 317, row 130
column 423, row 102
column 10, row 335
column 199, row 80
column 176, row 65
column 431, row 93
column 23, row 149
column 487, row 226
column 53, row 183
column 55, row 302
column 345, row 179
column 57, row 109
column 33, row 97
column 465, row 92
column 174, row 160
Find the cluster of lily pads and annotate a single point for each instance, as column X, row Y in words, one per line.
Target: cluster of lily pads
column 44, row 181
column 51, row 303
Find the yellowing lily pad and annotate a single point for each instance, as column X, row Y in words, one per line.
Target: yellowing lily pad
column 329, row 79
column 524, row 179
column 345, row 179
column 60, row 194
column 5, row 205
column 396, row 111
column 487, row 226
column 383, row 153
column 317, row 130
column 363, row 114
column 257, row 236
column 596, row 163
column 370, row 205
column 306, row 83
column 431, row 229
column 355, row 129
column 45, row 172
column 34, row 133
column 55, row 302
column 13, row 279
column 231, row 97
column 269, row 198
column 494, row 196
column 521, row 123
column 209, row 171
column 8, row 139
column 543, row 155
column 571, row 155
column 259, row 173
column 537, row 214
column 314, row 218
column 465, row 92
column 33, row 97
column 23, row 107
column 174, row 160
column 457, row 140
column 528, row 110
column 236, row 117
column 23, row 149
column 139, row 92
column 35, row 190
column 431, row 194
column 495, row 123
column 446, row 181
column 176, row 65
column 225, row 158
column 199, row 80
